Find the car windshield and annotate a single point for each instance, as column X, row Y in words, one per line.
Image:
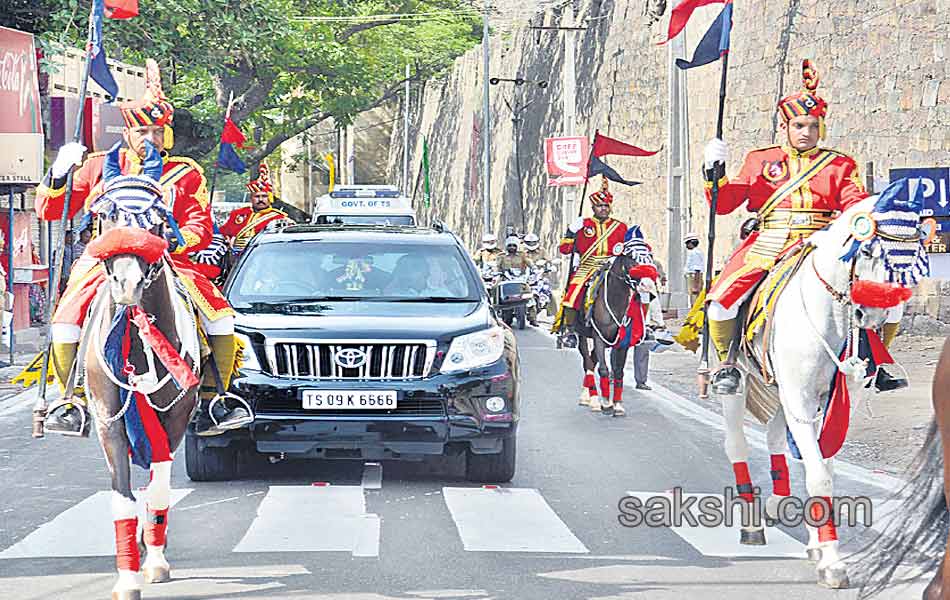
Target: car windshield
column 301, row 271
column 365, row 220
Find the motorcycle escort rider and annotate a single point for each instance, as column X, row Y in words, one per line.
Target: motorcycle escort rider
column 489, row 253
column 795, row 189
column 246, row 222
column 147, row 122
column 532, row 249
column 514, row 259
column 595, row 240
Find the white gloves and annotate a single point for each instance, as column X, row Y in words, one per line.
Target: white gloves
column 577, row 225
column 715, row 151
column 69, row 156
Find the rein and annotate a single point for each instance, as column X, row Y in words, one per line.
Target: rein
column 617, row 322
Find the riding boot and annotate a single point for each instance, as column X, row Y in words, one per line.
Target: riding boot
column 726, row 380
column 226, row 416
column 565, row 325
column 884, row 381
column 70, row 415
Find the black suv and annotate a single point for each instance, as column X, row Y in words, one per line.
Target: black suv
column 367, row 343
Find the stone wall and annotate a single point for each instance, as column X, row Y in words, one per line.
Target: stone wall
column 883, row 69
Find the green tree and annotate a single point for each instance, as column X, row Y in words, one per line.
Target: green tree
column 288, row 67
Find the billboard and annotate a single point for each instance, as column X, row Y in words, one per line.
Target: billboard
column 21, row 120
column 566, row 159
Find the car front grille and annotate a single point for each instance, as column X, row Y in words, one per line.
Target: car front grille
column 312, row 359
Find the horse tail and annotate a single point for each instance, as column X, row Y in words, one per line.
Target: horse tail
column 917, row 533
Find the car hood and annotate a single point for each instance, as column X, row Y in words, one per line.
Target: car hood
column 370, row 320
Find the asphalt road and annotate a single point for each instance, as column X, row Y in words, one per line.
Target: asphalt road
column 420, row 530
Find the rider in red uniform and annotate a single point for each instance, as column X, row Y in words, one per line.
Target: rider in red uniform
column 594, row 240
column 795, row 189
column 147, row 121
column 246, row 222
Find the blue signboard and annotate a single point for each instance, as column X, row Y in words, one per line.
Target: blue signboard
column 936, row 184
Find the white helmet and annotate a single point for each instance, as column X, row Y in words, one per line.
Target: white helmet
column 664, row 341
column 489, row 241
column 531, row 241
column 691, row 237
column 512, row 240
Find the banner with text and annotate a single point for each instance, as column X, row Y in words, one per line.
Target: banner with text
column 566, row 159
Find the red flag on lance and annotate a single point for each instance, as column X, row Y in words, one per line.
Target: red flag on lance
column 604, row 145
column 232, row 134
column 681, row 13
column 122, row 9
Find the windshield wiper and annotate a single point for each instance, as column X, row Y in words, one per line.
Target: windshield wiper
column 441, row 299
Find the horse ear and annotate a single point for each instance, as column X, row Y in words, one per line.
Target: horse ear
column 111, row 168
column 152, row 166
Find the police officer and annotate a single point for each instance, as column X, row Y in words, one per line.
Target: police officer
column 489, row 252
column 535, row 254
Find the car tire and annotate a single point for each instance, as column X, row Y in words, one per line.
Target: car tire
column 521, row 320
column 208, row 463
column 492, row 468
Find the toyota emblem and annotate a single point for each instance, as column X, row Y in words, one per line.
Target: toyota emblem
column 350, row 358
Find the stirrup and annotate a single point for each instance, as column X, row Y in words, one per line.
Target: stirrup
column 233, row 424
column 84, row 420
column 727, row 380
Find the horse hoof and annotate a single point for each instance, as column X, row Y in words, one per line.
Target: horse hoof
column 127, row 595
column 594, row 404
column 619, row 411
column 835, row 578
column 813, row 554
column 752, row 537
column 156, row 574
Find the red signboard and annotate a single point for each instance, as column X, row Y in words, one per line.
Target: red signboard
column 21, row 121
column 566, row 159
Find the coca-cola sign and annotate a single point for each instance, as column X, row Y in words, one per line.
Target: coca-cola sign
column 21, row 120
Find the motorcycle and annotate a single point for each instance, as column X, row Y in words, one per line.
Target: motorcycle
column 540, row 286
column 511, row 296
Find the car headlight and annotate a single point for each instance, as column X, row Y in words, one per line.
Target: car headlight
column 248, row 358
column 474, row 350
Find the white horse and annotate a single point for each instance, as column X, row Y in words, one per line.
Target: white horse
column 813, row 319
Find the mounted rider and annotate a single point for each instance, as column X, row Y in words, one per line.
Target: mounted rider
column 147, row 122
column 594, row 239
column 795, row 189
column 489, row 253
column 246, row 222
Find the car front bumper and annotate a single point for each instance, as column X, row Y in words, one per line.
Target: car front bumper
column 433, row 415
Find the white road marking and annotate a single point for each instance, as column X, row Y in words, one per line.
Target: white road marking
column 83, row 530
column 508, row 520
column 723, row 541
column 313, row 519
column 372, row 476
column 212, row 503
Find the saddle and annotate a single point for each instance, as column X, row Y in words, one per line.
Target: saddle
column 762, row 399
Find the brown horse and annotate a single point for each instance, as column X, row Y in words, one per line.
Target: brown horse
column 140, row 355
column 919, row 535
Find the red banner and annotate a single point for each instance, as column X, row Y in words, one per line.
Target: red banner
column 566, row 159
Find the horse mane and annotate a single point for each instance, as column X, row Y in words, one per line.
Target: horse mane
column 917, row 535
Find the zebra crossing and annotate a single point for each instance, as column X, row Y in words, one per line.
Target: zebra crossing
column 335, row 518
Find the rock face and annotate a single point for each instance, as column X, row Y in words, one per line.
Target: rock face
column 882, row 67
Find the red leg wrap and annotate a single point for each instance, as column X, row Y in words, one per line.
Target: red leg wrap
column 156, row 527
column 605, row 388
column 780, row 479
column 618, row 390
column 126, row 547
column 821, row 513
column 589, row 382
column 743, row 480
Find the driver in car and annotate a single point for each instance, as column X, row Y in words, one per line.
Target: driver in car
column 412, row 278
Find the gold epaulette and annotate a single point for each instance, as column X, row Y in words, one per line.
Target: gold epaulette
column 773, row 146
column 840, row 153
column 189, row 161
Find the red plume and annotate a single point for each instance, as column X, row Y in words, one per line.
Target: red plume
column 127, row 240
column 879, row 295
column 644, row 272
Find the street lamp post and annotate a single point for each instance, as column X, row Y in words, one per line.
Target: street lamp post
column 486, row 128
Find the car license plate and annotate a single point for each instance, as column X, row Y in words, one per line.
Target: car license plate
column 348, row 400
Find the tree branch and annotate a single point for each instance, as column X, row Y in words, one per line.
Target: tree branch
column 346, row 34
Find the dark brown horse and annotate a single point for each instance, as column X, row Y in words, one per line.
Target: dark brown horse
column 618, row 283
column 919, row 534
